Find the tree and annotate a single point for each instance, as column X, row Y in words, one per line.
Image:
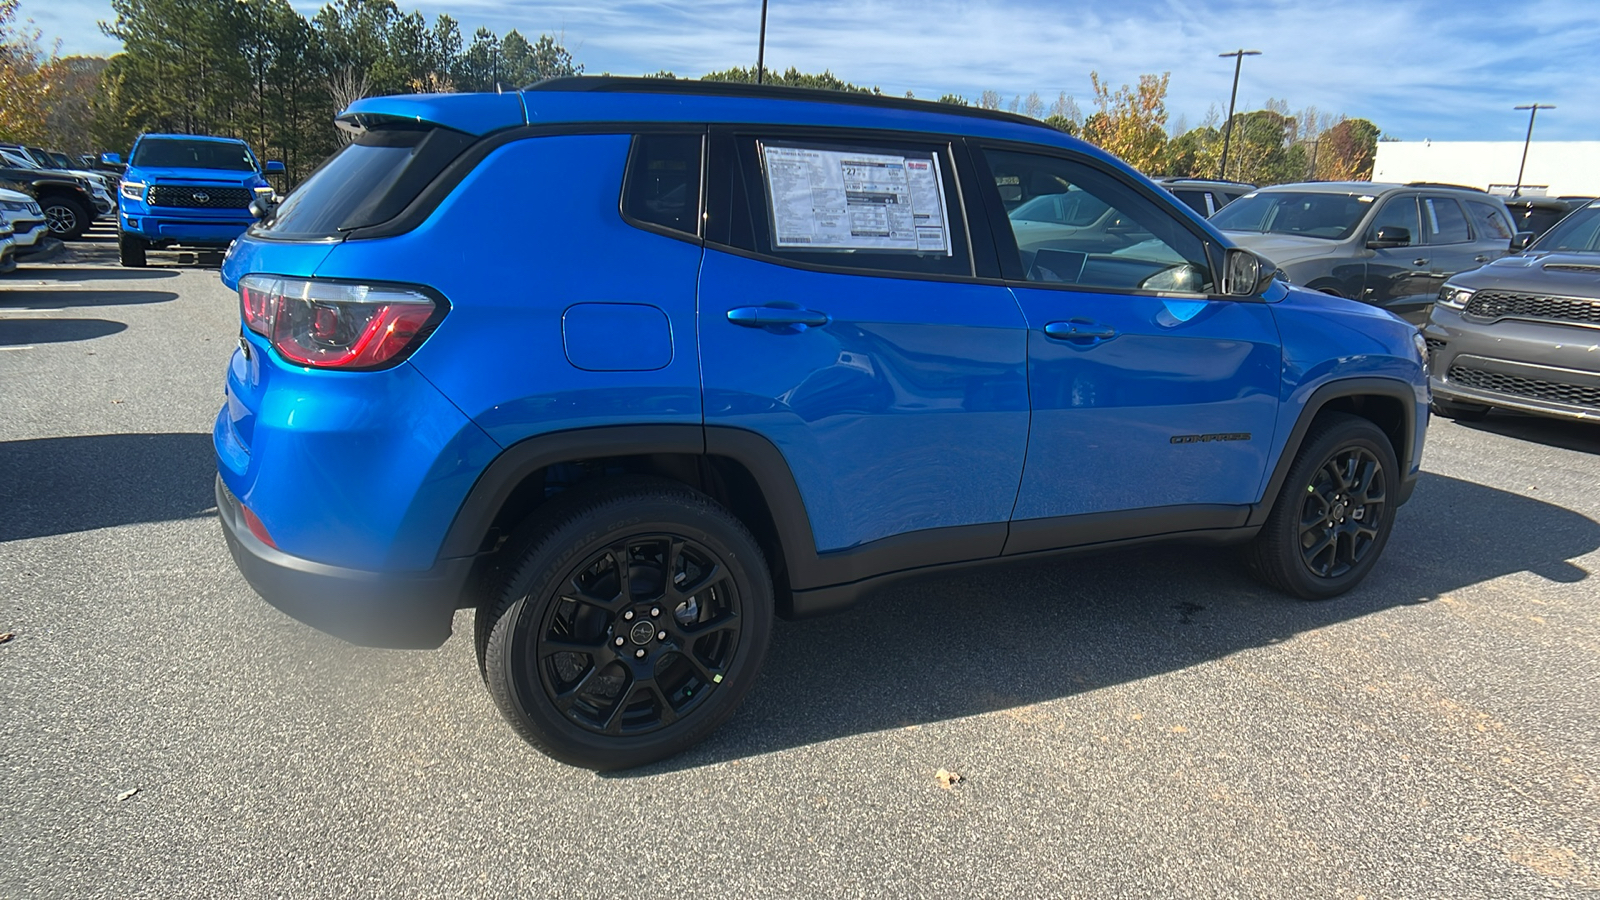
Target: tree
column 793, row 77
column 73, row 85
column 24, row 86
column 1194, row 153
column 1347, row 150
column 1262, row 149
column 1062, row 123
column 1129, row 123
column 954, row 100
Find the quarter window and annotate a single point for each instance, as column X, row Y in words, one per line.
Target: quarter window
column 1444, row 222
column 663, row 183
column 1130, row 243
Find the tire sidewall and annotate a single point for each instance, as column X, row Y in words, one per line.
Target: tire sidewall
column 514, row 635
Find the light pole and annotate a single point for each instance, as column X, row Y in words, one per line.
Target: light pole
column 1533, row 110
column 1227, row 135
column 761, row 50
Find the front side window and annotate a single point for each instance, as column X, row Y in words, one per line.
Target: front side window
column 663, row 183
column 866, row 206
column 1490, row 222
column 1313, row 214
column 176, row 153
column 1444, row 222
column 1131, row 243
column 1400, row 212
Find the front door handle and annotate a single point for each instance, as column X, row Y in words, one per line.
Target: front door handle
column 1419, row 262
column 1079, row 332
column 767, row 316
column 1482, row 257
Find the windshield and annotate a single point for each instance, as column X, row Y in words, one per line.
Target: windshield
column 168, row 153
column 1333, row 217
column 1577, row 233
column 14, row 159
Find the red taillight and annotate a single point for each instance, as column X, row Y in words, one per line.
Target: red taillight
column 334, row 325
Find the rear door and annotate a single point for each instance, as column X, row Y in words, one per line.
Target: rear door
column 1154, row 399
column 846, row 318
column 1398, row 277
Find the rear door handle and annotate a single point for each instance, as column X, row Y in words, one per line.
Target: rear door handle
column 765, row 316
column 1419, row 262
column 1481, row 257
column 1079, row 332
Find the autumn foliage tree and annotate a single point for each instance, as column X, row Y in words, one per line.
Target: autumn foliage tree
column 1130, row 123
column 24, row 88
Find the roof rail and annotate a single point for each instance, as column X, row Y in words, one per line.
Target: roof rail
column 620, row 85
column 1445, row 184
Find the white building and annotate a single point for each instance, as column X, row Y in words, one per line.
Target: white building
column 1555, row 168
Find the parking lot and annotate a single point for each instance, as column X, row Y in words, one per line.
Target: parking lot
column 1150, row 723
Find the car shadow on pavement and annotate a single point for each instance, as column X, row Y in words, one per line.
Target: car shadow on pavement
column 1004, row 637
column 1563, row 433
column 25, row 332
column 63, row 485
column 62, row 299
column 85, row 273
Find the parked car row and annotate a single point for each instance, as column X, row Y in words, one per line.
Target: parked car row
column 71, row 199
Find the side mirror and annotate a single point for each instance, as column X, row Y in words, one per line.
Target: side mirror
column 1521, row 240
column 274, row 167
column 1246, row 274
column 110, row 159
column 261, row 208
column 1390, row 236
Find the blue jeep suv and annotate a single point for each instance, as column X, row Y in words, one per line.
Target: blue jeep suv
column 187, row 189
column 718, row 352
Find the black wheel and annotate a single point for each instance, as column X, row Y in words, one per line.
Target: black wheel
column 1461, row 412
column 632, row 625
column 1333, row 516
column 130, row 250
column 66, row 218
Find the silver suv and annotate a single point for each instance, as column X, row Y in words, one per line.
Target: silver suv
column 1521, row 333
column 1390, row 245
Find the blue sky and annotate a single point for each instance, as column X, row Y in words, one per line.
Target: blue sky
column 1418, row 68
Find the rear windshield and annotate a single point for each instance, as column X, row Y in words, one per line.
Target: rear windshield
column 171, row 153
column 367, row 183
column 1308, row 214
column 1577, row 233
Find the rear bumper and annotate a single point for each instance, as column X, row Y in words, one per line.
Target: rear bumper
column 408, row 612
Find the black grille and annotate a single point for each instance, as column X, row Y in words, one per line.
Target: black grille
column 214, row 197
column 1434, row 346
column 1503, row 304
column 1537, row 388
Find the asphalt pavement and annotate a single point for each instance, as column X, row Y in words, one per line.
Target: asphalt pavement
column 1145, row 724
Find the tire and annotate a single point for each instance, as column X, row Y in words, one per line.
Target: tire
column 1322, row 487
column 1461, row 412
column 623, row 695
column 130, row 250
column 67, row 218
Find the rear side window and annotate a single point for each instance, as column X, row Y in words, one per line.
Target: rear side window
column 876, row 206
column 366, row 183
column 1444, row 222
column 663, row 184
column 1489, row 222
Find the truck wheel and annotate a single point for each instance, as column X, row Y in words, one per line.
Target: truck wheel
column 1461, row 412
column 632, row 623
column 130, row 250
column 66, row 217
column 1333, row 516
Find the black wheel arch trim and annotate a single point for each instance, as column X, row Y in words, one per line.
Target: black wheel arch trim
column 1338, row 389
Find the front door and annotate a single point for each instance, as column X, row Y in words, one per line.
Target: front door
column 842, row 320
column 1150, row 393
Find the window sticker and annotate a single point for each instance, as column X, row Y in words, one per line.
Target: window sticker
column 1433, row 217
column 827, row 199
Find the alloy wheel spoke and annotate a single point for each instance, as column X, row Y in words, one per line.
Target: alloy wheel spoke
column 613, row 721
column 726, row 622
column 566, row 698
column 707, row 578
